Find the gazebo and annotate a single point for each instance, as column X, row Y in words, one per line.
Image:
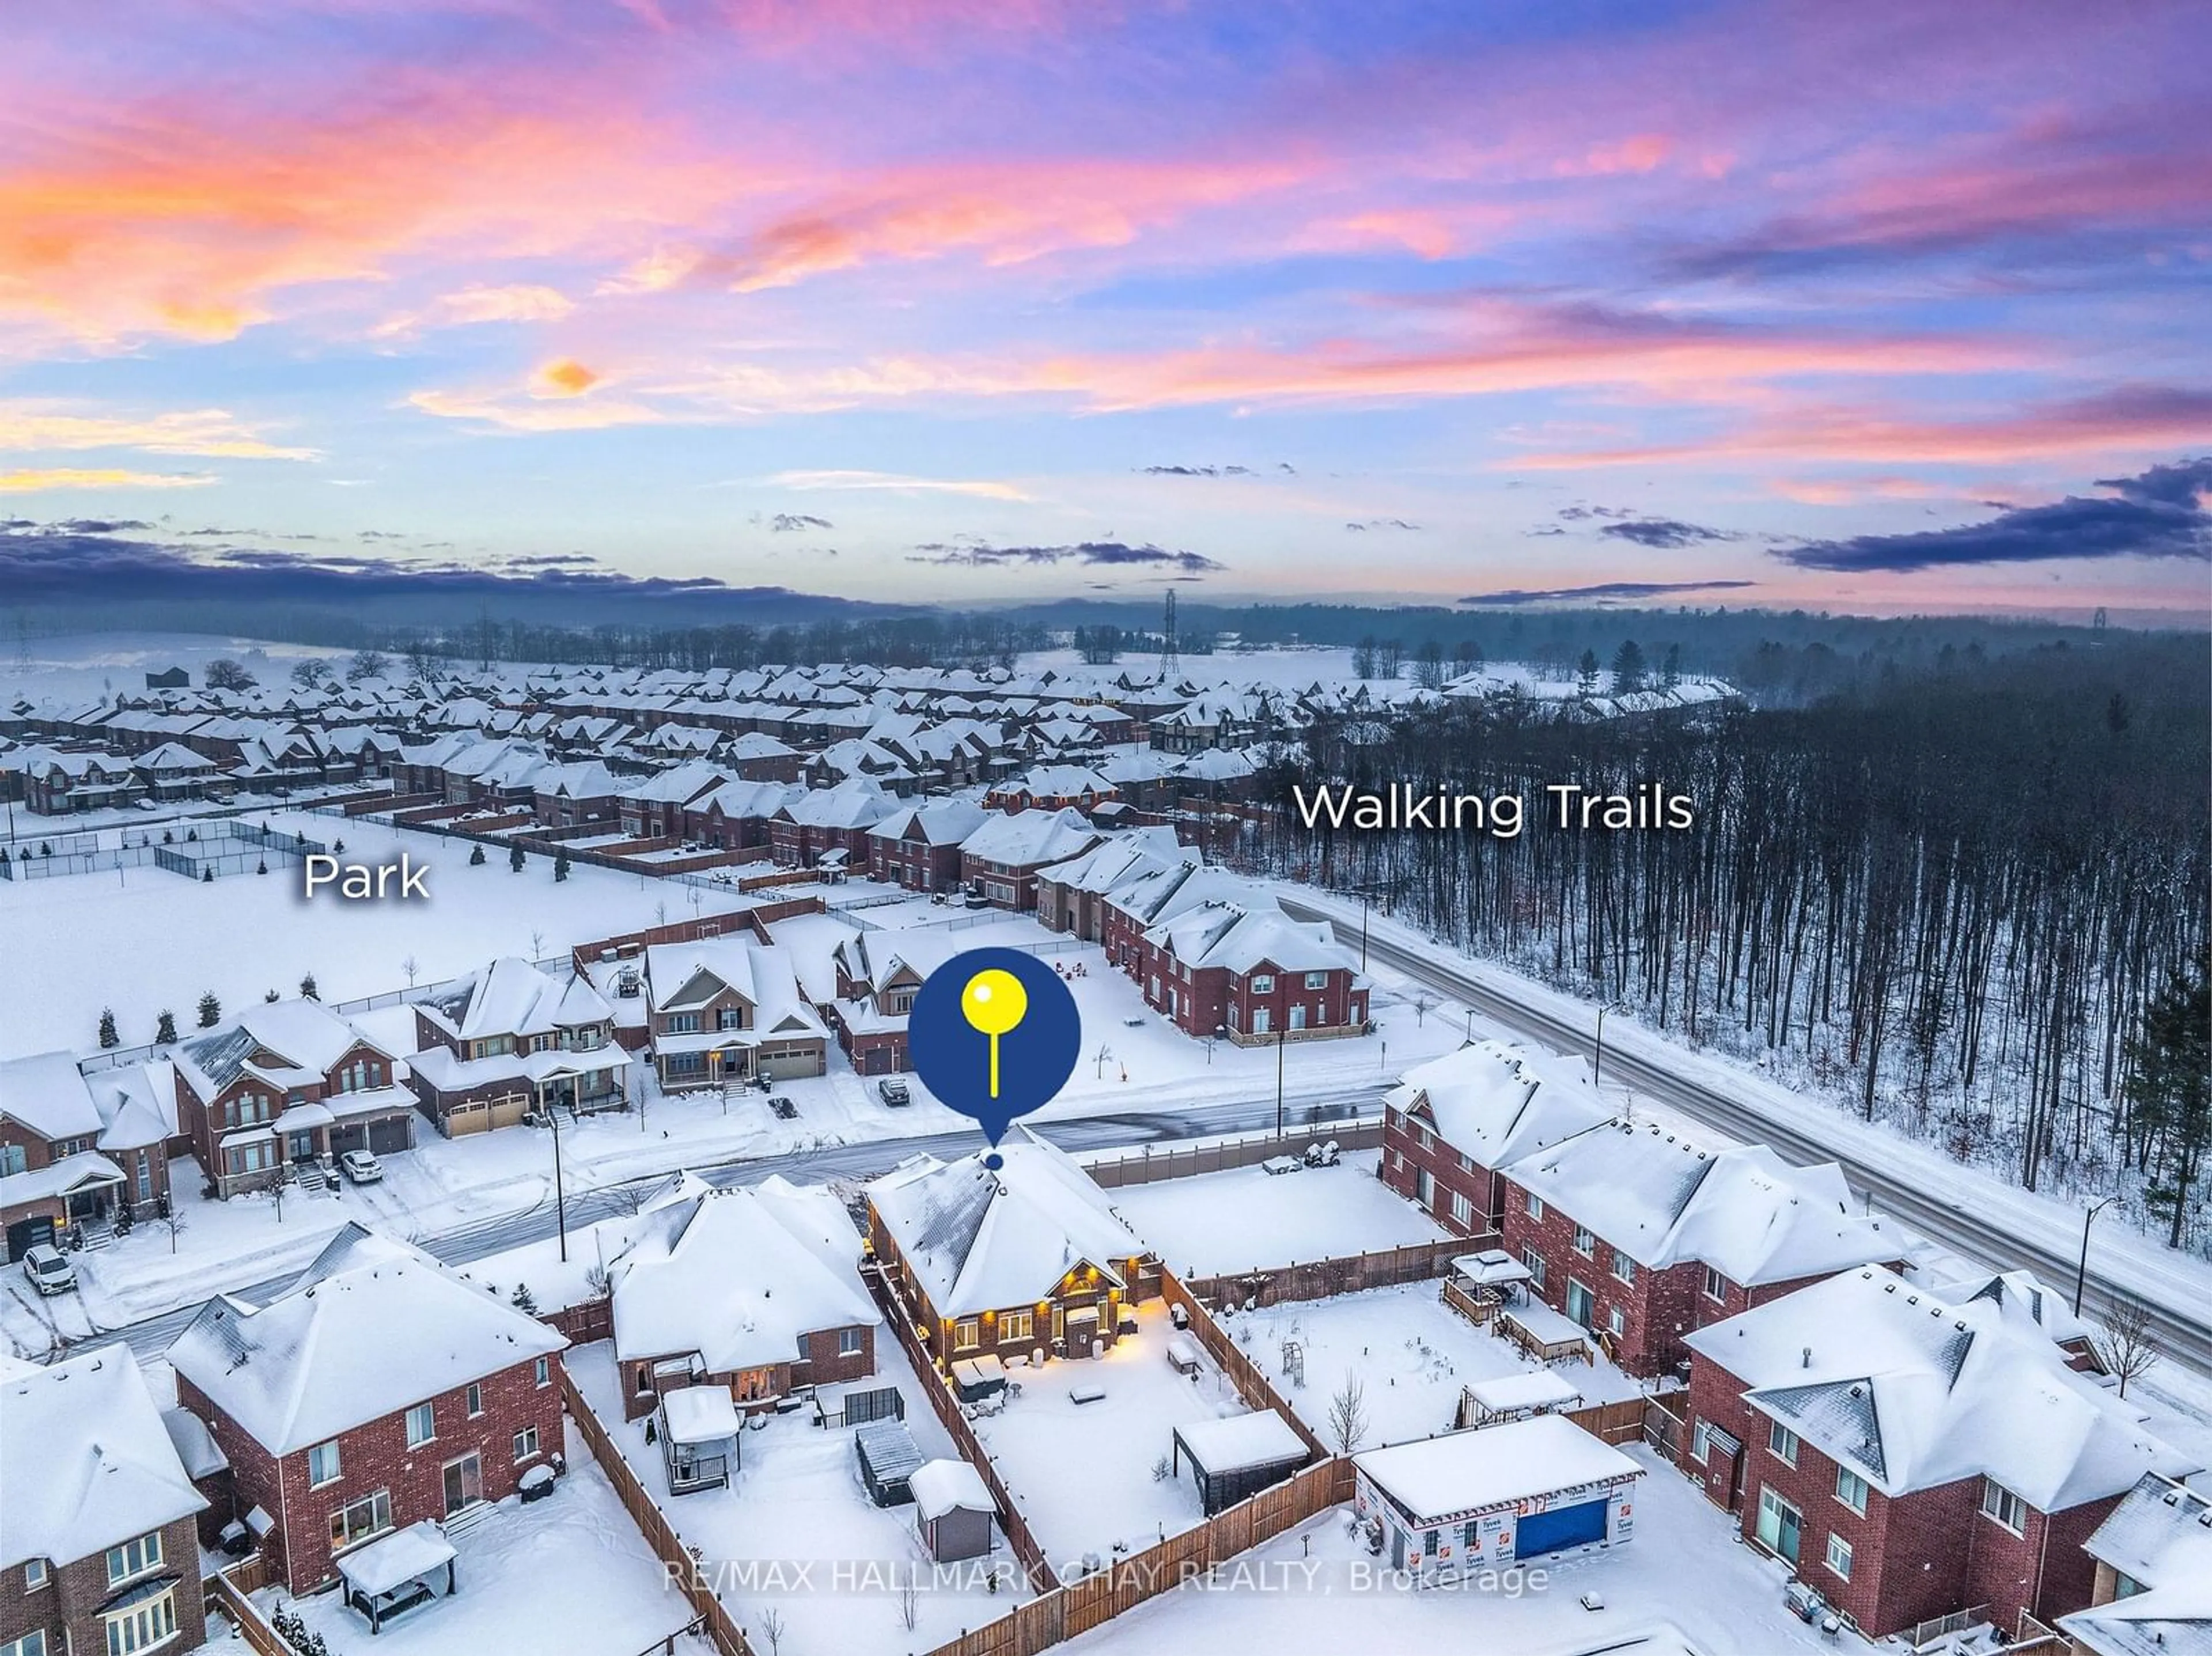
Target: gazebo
column 699, row 1438
column 397, row 1572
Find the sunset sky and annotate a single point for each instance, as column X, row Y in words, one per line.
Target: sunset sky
column 1857, row 306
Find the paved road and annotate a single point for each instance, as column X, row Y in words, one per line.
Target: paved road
column 152, row 1336
column 2180, row 1318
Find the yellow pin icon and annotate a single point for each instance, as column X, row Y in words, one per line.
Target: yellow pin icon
column 993, row 1003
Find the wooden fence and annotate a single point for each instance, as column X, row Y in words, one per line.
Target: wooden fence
column 585, row 1321
column 1153, row 1163
column 1666, row 1431
column 1612, row 1422
column 1183, row 1558
column 946, row 1406
column 229, row 1597
column 713, row 1621
column 1252, row 1385
column 1480, row 1311
column 1322, row 1279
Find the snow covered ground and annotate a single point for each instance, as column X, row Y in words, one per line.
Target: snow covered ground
column 1683, row 1584
column 823, row 1557
column 141, row 940
column 566, row 1576
column 1409, row 1353
column 1083, row 1474
column 1249, row 1218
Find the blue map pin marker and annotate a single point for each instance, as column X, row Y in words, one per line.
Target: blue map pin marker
column 993, row 1033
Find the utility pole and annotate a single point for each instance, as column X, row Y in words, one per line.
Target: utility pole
column 1282, row 1036
column 2081, row 1271
column 560, row 1195
column 1597, row 1059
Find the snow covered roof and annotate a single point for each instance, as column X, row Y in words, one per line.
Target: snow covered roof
column 979, row 1240
column 394, row 1559
column 1494, row 1102
column 1662, row 1199
column 1912, row 1392
column 1028, row 838
column 939, row 1487
column 1121, row 857
column 2159, row 1537
column 137, row 1104
column 741, row 1277
column 1435, row 1478
column 303, row 1033
column 511, row 997
column 1243, row 1442
column 85, row 1459
column 373, row 1326
column 698, row 1413
column 681, row 975
column 47, row 1094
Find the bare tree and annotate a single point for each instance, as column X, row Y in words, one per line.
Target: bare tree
column 172, row 1222
column 909, row 1601
column 2128, row 1349
column 1347, row 1415
column 1423, row 1000
column 411, row 966
column 771, row 1627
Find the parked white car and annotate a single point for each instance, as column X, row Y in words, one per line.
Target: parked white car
column 361, row 1168
column 49, row 1268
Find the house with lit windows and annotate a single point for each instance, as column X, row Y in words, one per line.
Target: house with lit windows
column 1021, row 1260
column 98, row 1546
column 380, row 1391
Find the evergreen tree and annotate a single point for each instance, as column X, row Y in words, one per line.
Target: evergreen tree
column 165, row 1029
column 2170, row 1089
column 207, row 877
column 307, row 990
column 515, row 858
column 1670, row 671
column 107, row 1035
column 560, row 864
column 210, row 1010
column 524, row 1301
column 1627, row 667
column 477, row 857
column 1586, row 673
column 271, row 998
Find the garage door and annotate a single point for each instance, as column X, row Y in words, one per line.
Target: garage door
column 390, row 1135
column 26, row 1233
column 1553, row 1532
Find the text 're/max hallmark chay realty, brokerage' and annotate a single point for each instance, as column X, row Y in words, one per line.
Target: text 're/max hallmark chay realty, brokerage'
column 1501, row 815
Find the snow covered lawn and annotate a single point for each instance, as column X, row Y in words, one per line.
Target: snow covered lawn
column 568, row 1576
column 143, row 939
column 1683, row 1585
column 1410, row 1352
column 1249, row 1218
column 800, row 1535
column 1082, row 1473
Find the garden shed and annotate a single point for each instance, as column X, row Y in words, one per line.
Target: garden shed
column 1233, row 1459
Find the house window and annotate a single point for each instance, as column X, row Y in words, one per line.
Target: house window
column 1701, row 1441
column 31, row 1644
column 422, row 1424
column 1782, row 1441
column 541, row 1371
column 34, row 1576
column 1535, row 1261
column 1425, row 1188
column 2003, row 1505
column 849, row 1342
column 13, row 1160
column 476, row 1400
column 1017, row 1324
column 1716, row 1285
column 1264, row 983
column 1263, row 1020
column 1616, row 1320
column 1623, row 1266
column 730, row 1017
column 1839, row 1557
column 1316, row 979
column 1462, row 1210
column 967, row 1335
column 1531, row 1205
column 526, row 1443
column 1585, row 1243
column 1851, row 1490
column 323, row 1465
column 358, row 1520
column 680, row 1023
column 134, row 1558
column 142, row 1626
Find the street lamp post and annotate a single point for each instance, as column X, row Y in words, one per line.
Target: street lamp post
column 1597, row 1059
column 560, row 1194
column 2082, row 1270
column 1281, row 1036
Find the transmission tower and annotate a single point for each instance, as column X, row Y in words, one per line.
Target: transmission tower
column 1168, row 664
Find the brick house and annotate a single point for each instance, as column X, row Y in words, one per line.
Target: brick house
column 1052, row 787
column 378, row 1390
column 1910, row 1458
column 511, row 1040
column 98, row 1539
column 1072, row 897
column 1008, row 1263
column 918, row 847
column 76, row 1149
column 1642, row 1236
column 758, row 1290
column 736, row 815
column 1002, row 859
column 728, row 1008
column 815, row 821
column 288, row 1082
column 1451, row 1124
column 2154, row 1555
column 1253, row 973
column 573, row 794
column 878, row 974
column 655, row 808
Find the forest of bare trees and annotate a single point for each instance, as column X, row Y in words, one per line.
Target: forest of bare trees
column 1949, row 898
